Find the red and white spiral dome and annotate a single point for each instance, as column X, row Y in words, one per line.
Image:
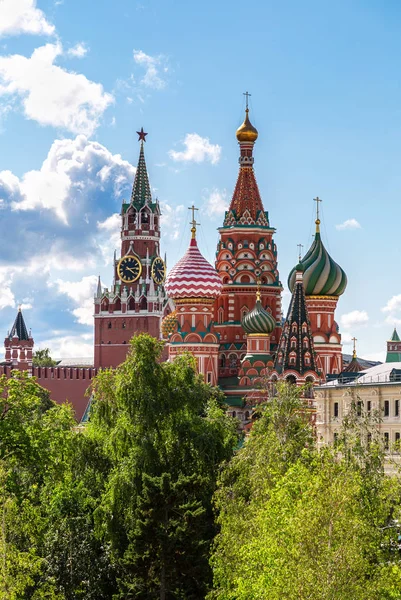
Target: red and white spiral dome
column 193, row 276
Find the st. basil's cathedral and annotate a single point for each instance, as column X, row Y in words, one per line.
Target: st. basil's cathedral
column 229, row 316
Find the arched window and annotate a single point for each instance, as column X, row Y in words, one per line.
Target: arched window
column 222, row 361
column 132, row 217
column 105, row 304
column 131, row 303
column 143, row 305
column 291, row 379
column 293, row 342
column 221, row 315
column 117, row 304
column 109, row 325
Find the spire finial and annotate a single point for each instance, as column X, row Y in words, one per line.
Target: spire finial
column 354, row 351
column 300, row 247
column 19, row 308
column 258, row 294
column 193, row 222
column 317, row 200
column 142, row 135
column 247, row 95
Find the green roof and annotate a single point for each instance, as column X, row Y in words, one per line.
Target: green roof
column 395, row 336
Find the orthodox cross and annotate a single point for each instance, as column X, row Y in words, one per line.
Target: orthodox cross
column 247, row 94
column 300, row 246
column 354, row 352
column 317, row 200
column 193, row 222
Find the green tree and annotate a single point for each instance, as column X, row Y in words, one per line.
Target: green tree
column 302, row 523
column 42, row 358
column 166, row 435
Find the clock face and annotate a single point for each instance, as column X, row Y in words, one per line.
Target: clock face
column 158, row 270
column 129, row 269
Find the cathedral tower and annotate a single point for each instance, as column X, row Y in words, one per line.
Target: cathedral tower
column 194, row 285
column 246, row 253
column 136, row 301
column 324, row 282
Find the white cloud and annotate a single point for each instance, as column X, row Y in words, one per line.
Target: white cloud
column 171, row 220
column 349, row 224
column 26, row 306
column 50, row 94
column 197, row 149
column 353, row 319
column 155, row 68
column 376, row 356
column 215, row 203
column 78, row 51
column 22, row 16
column 69, row 346
column 71, row 170
column 7, row 297
column 81, row 293
column 393, row 305
column 109, row 238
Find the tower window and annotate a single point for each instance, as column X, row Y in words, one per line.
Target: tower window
column 109, row 325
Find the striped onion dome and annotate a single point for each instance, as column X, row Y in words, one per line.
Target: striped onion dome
column 322, row 275
column 193, row 276
column 258, row 320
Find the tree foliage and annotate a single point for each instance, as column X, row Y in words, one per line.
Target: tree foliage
column 300, row 522
column 42, row 358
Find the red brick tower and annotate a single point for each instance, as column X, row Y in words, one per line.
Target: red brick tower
column 246, row 254
column 18, row 345
column 194, row 285
column 137, row 300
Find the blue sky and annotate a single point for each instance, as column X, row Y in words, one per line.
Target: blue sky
column 77, row 79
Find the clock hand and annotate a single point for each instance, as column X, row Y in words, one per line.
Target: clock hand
column 132, row 271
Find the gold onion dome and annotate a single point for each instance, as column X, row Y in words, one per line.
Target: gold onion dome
column 247, row 132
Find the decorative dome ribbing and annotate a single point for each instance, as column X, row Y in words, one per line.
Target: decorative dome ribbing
column 258, row 321
column 193, row 276
column 322, row 275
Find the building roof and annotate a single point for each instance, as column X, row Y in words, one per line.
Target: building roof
column 19, row 328
column 322, row 275
column 85, row 362
column 193, row 276
column 375, row 375
column 395, row 337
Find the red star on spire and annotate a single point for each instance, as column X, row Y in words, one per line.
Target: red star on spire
column 142, row 135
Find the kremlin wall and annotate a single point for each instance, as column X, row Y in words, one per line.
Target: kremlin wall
column 228, row 315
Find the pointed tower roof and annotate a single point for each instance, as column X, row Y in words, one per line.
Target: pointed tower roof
column 296, row 351
column 246, row 208
column 19, row 328
column 354, row 366
column 322, row 275
column 141, row 193
column 394, row 348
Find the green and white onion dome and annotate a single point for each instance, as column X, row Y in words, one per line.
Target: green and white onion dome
column 322, row 275
column 258, row 321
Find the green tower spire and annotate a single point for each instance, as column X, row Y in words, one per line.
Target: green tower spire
column 141, row 193
column 394, row 348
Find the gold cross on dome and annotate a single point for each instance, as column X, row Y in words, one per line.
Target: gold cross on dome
column 354, row 352
column 300, row 246
column 247, row 95
column 193, row 222
column 317, row 200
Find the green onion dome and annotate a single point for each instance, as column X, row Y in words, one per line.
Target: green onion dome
column 322, row 275
column 258, row 321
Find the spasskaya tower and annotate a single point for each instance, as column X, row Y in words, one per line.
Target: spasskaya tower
column 136, row 301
